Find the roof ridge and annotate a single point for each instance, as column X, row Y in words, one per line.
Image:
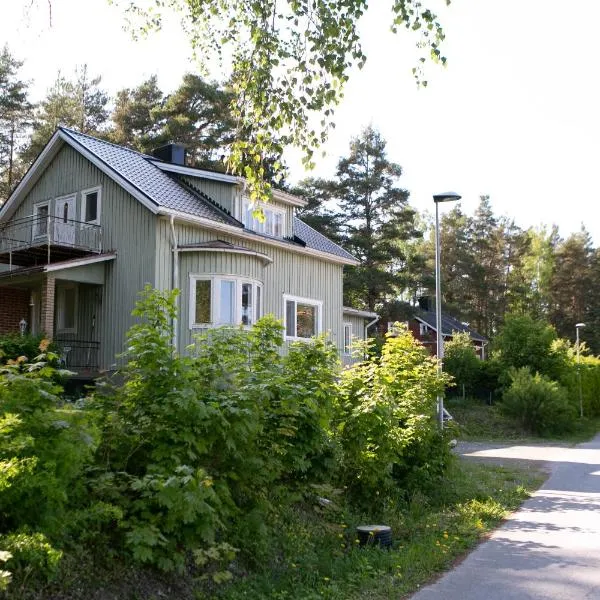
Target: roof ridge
column 108, row 143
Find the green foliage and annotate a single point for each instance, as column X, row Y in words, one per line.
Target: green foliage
column 43, row 446
column 32, row 557
column 461, row 362
column 14, row 345
column 538, row 404
column 289, row 63
column 526, row 342
column 386, row 423
column 192, row 446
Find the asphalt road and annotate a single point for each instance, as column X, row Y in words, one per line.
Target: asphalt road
column 550, row 548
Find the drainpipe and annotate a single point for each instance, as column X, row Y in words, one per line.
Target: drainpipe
column 175, row 281
column 370, row 324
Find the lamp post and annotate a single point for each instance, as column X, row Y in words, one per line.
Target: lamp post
column 446, row 197
column 578, row 326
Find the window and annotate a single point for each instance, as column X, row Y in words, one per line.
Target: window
column 302, row 318
column 224, row 300
column 423, row 329
column 40, row 221
column 66, row 304
column 347, row 338
column 90, row 206
column 272, row 224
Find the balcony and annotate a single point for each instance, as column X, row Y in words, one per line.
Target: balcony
column 39, row 240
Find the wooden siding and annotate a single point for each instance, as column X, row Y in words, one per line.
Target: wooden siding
column 127, row 228
column 222, row 193
column 290, row 273
column 229, row 197
column 358, row 332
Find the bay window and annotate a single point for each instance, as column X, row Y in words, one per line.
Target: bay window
column 224, row 300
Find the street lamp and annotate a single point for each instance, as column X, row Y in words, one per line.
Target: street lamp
column 578, row 326
column 447, row 197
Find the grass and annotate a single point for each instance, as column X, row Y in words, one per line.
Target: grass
column 315, row 552
column 318, row 555
column 478, row 421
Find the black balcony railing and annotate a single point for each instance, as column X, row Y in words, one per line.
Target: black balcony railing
column 44, row 238
column 79, row 354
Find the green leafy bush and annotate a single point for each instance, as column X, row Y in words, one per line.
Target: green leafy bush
column 14, row 345
column 44, row 446
column 539, row 404
column 192, row 446
column 461, row 362
column 527, row 342
column 385, row 422
column 32, row 556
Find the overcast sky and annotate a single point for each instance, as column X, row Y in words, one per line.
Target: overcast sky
column 513, row 115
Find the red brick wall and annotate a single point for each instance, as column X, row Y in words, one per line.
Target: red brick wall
column 14, row 306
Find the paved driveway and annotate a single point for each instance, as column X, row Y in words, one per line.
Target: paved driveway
column 550, row 548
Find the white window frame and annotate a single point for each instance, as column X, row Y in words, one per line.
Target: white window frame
column 347, row 347
column 423, row 329
column 311, row 301
column 35, row 234
column 60, row 307
column 215, row 316
column 84, row 195
column 256, row 225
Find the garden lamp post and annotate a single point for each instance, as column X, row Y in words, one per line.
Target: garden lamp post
column 447, row 197
column 578, row 326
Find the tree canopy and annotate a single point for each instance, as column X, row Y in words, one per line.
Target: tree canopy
column 287, row 61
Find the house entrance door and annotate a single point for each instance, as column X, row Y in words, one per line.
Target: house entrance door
column 64, row 221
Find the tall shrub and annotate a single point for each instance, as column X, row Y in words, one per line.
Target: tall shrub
column 537, row 403
column 527, row 342
column 461, row 362
column 385, row 422
column 195, row 446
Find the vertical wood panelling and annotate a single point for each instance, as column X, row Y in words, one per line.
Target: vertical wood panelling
column 222, row 193
column 290, row 273
column 127, row 228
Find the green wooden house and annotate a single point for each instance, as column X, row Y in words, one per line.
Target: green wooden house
column 92, row 223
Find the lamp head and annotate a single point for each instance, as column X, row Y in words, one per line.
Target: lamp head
column 578, row 325
column 446, row 197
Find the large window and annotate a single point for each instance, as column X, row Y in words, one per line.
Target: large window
column 224, row 300
column 90, row 206
column 273, row 223
column 302, row 318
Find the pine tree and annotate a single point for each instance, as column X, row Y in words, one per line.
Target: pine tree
column 80, row 104
column 572, row 283
column 15, row 113
column 375, row 218
column 198, row 115
column 136, row 116
column 325, row 219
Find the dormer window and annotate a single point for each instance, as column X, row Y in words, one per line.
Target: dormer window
column 273, row 223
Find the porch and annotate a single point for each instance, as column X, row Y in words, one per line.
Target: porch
column 63, row 302
column 45, row 239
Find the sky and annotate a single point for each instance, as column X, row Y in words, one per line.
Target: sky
column 513, row 115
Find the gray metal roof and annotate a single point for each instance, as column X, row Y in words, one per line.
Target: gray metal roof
column 168, row 191
column 449, row 325
column 317, row 241
column 138, row 169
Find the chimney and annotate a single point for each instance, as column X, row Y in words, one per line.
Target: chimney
column 427, row 303
column 172, row 153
